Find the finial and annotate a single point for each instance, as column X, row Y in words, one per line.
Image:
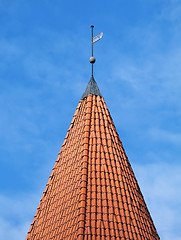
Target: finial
column 92, row 59
column 94, row 39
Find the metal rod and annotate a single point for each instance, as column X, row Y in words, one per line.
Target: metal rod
column 92, row 38
column 92, row 46
column 92, row 69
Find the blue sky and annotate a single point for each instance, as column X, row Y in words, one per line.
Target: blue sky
column 44, row 69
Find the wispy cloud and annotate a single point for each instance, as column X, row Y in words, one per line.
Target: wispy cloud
column 10, row 231
column 171, row 11
column 16, row 215
column 44, row 67
column 160, row 184
column 165, row 136
column 146, row 84
column 31, row 81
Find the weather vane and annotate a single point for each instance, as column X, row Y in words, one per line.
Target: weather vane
column 94, row 39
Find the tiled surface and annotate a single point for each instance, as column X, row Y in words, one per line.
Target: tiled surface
column 92, row 192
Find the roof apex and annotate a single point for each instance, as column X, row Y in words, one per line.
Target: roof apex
column 91, row 88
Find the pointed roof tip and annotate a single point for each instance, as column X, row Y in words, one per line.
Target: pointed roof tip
column 91, row 88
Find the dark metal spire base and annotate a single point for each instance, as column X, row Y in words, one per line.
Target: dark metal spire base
column 91, row 88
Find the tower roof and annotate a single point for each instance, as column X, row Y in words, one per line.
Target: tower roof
column 92, row 192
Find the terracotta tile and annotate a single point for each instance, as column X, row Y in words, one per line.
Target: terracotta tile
column 92, row 180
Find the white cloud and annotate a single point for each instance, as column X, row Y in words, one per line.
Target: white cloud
column 160, row 184
column 171, row 11
column 9, row 49
column 165, row 136
column 153, row 71
column 9, row 231
column 158, row 76
column 153, row 75
column 16, row 215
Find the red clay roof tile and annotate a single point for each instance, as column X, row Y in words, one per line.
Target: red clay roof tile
column 92, row 192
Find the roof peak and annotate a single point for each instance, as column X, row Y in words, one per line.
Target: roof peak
column 91, row 88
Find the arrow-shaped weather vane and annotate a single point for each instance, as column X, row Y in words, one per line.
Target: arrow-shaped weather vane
column 94, row 39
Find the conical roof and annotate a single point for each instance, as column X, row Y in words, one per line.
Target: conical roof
column 92, row 192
